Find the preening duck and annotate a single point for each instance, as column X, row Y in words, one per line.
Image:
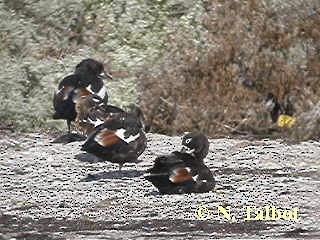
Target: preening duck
column 183, row 171
column 119, row 139
column 86, row 80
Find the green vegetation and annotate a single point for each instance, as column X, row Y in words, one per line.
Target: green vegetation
column 186, row 63
column 42, row 41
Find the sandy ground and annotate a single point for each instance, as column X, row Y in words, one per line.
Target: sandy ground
column 55, row 191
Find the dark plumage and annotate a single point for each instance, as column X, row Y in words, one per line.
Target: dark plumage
column 183, row 171
column 119, row 139
column 273, row 107
column 85, row 81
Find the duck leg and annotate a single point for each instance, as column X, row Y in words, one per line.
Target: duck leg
column 69, row 126
column 69, row 137
column 120, row 166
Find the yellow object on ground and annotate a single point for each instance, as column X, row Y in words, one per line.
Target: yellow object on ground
column 286, row 121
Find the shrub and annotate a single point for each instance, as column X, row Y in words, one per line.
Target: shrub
column 217, row 81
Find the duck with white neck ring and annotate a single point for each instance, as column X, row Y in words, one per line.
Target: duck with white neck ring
column 183, row 171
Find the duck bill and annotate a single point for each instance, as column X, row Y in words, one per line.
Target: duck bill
column 105, row 74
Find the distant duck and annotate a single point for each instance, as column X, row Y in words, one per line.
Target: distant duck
column 183, row 171
column 280, row 112
column 85, row 81
column 119, row 139
column 273, row 107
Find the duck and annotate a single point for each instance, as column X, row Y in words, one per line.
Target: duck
column 280, row 112
column 183, row 171
column 86, row 80
column 273, row 106
column 120, row 138
column 92, row 111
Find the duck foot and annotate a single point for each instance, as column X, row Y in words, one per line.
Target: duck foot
column 68, row 138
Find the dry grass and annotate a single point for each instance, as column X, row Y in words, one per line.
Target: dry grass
column 217, row 83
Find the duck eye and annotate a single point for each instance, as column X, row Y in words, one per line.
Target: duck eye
column 188, row 140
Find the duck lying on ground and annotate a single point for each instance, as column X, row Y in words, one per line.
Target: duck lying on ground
column 183, row 171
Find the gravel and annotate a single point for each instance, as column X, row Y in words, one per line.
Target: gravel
column 56, row 191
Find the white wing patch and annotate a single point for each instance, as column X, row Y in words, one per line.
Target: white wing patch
column 89, row 88
column 102, row 92
column 97, row 122
column 195, row 177
column 96, row 100
column 120, row 134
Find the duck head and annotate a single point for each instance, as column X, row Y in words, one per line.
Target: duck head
column 273, row 106
column 196, row 144
column 92, row 67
